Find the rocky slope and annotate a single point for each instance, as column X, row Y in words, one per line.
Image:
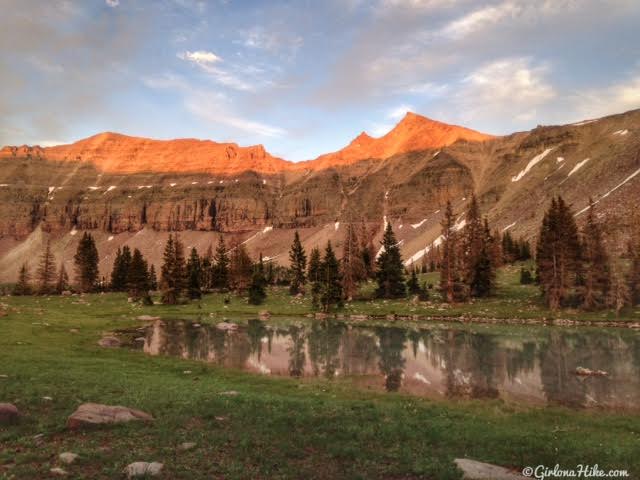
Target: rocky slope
column 43, row 195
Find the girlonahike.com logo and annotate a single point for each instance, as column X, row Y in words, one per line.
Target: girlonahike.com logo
column 540, row 472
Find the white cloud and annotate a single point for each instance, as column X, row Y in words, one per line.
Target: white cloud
column 381, row 129
column 398, row 112
column 112, row 3
column 201, row 57
column 616, row 98
column 272, row 41
column 481, row 18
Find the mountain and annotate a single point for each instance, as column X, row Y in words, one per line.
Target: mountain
column 55, row 193
column 413, row 133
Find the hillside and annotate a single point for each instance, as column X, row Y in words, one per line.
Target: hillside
column 45, row 194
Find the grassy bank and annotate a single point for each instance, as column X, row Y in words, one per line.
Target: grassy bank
column 273, row 428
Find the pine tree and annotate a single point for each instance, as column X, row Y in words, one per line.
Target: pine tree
column 257, row 288
column 86, row 263
column 194, row 274
column 477, row 243
column 353, row 267
column 153, row 278
column 389, row 268
column 331, row 289
column 367, row 251
column 138, row 277
column 63, row 280
column 633, row 277
column 173, row 277
column 451, row 285
column 240, row 268
column 23, row 287
column 558, row 254
column 597, row 269
column 413, row 286
column 46, row 270
column 298, row 261
column 206, row 264
column 220, row 274
column 314, row 265
column 120, row 269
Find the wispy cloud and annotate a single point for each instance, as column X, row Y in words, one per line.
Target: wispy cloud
column 208, row 63
column 481, row 18
column 112, row 3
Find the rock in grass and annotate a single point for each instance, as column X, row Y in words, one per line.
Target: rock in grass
column 140, row 469
column 9, row 413
column 148, row 318
column 109, row 342
column 187, row 446
column 474, row 470
column 68, row 457
column 94, row 414
column 60, row 472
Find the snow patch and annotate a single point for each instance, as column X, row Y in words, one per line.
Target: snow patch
column 532, row 163
column 419, row 224
column 436, row 154
column 560, row 159
column 337, row 226
column 51, row 189
column 622, row 133
column 268, row 229
column 637, row 172
column 418, row 376
column 221, row 181
column 386, row 194
column 4, row 184
column 73, row 231
column 578, row 166
column 194, row 183
column 264, row 182
column 584, row 122
column 509, row 226
column 172, row 184
column 112, row 187
column 110, row 238
column 94, row 188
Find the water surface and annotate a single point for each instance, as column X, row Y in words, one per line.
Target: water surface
column 531, row 365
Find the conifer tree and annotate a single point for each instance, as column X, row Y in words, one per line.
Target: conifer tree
column 331, row 289
column 194, row 275
column 597, row 269
column 367, row 251
column 138, row 277
column 558, row 254
column 451, row 285
column 23, row 287
column 120, row 269
column 413, row 286
column 389, row 268
column 633, row 277
column 298, row 262
column 86, row 263
column 315, row 262
column 206, row 263
column 63, row 280
column 220, row 273
column 153, row 278
column 353, row 267
column 46, row 270
column 257, row 288
column 240, row 268
column 173, row 276
column 477, row 241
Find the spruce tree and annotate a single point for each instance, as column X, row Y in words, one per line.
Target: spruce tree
column 558, row 254
column 331, row 282
column 206, row 263
column 138, row 277
column 173, row 275
column 477, row 244
column 298, row 262
column 153, row 278
column 413, row 286
column 23, row 287
column 367, row 251
column 194, row 275
column 120, row 269
column 46, row 270
column 220, row 272
column 315, row 262
column 597, row 269
column 257, row 288
column 451, row 285
column 63, row 280
column 241, row 268
column 353, row 267
column 389, row 268
column 86, row 263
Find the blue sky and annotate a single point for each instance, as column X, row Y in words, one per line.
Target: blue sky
column 305, row 77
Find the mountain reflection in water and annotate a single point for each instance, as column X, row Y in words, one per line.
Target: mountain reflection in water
column 519, row 364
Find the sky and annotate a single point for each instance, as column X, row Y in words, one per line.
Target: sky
column 305, row 77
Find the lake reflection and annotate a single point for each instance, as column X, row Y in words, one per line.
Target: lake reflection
column 520, row 364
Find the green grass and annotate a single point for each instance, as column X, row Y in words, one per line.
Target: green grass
column 275, row 428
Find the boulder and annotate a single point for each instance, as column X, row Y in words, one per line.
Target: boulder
column 95, row 414
column 68, row 457
column 141, row 469
column 60, row 472
column 109, row 342
column 9, row 413
column 148, row 318
column 474, row 470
